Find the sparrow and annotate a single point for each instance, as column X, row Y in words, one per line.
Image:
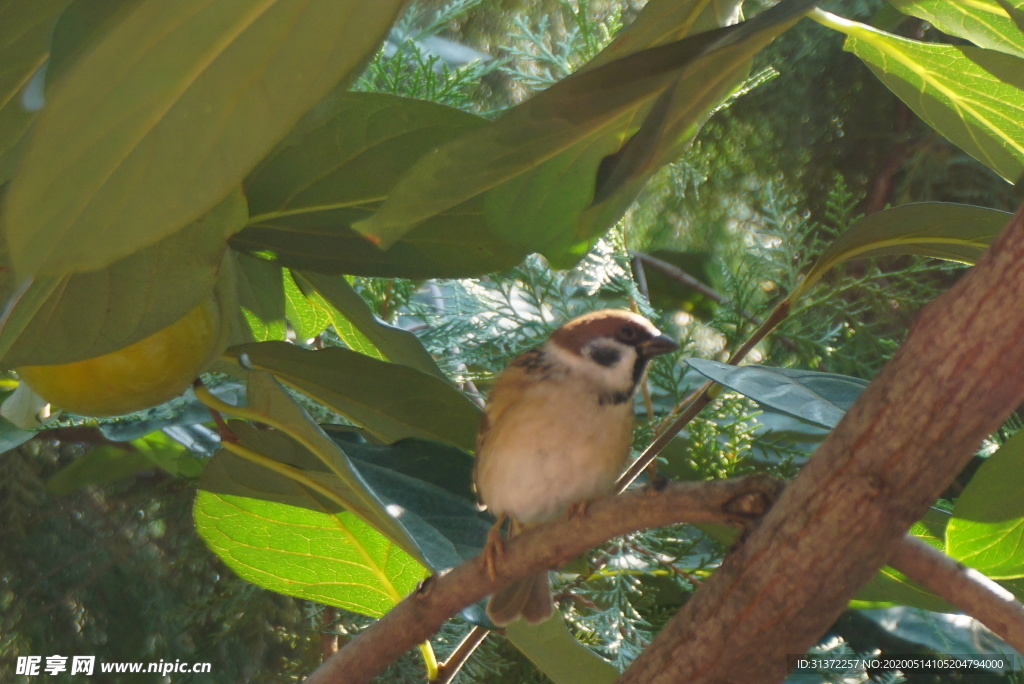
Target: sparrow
column 555, row 435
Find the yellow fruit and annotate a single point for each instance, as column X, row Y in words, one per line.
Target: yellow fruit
column 147, row 373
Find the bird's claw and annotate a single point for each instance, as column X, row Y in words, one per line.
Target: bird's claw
column 494, row 548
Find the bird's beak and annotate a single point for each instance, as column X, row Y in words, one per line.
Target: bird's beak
column 662, row 344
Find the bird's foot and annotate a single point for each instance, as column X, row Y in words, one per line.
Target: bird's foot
column 494, row 548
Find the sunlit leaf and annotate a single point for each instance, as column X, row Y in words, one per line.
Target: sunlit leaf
column 282, row 536
column 985, row 23
column 972, row 96
column 261, row 298
column 357, row 321
column 987, row 528
column 307, row 317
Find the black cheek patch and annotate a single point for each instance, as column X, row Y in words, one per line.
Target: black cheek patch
column 605, row 356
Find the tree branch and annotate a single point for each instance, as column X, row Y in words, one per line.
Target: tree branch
column 953, row 382
column 420, row 615
column 963, row 587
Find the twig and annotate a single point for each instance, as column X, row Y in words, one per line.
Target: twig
column 416, row 618
column 450, row 667
column 963, row 587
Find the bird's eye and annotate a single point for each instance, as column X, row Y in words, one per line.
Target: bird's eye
column 628, row 333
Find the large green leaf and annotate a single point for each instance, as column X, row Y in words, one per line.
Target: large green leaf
column 165, row 113
column 60, row 320
column 579, row 117
column 25, row 28
column 280, row 535
column 987, row 528
column 954, row 232
column 391, row 401
column 337, row 165
column 819, row 398
column 302, row 444
column 972, row 96
column 355, row 323
column 985, row 23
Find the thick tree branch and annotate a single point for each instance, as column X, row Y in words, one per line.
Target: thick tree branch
column 957, row 377
column 420, row 615
column 963, row 587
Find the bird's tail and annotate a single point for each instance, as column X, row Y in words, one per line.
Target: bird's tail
column 529, row 598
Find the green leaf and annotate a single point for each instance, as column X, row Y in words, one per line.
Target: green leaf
column 391, row 401
column 577, row 116
column 113, row 462
column 307, row 446
column 441, row 465
column 336, row 166
column 447, row 528
column 891, row 587
column 25, row 28
column 556, row 652
column 819, row 398
column 985, row 23
column 972, row 96
column 88, row 314
column 355, row 324
column 666, row 21
column 307, row 317
column 261, row 298
column 11, row 436
column 954, row 232
column 99, row 465
column 276, row 533
column 165, row 113
column 987, row 528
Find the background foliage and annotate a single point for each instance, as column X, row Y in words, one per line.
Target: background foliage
column 544, row 168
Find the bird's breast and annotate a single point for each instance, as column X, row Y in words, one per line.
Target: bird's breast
column 550, row 450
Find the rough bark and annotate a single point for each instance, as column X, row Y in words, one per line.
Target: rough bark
column 953, row 382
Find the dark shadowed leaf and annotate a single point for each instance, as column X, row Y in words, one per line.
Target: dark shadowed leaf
column 819, row 398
